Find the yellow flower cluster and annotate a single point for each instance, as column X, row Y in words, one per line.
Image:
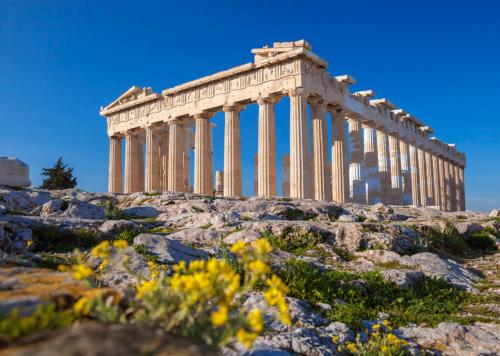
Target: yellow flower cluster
column 275, row 296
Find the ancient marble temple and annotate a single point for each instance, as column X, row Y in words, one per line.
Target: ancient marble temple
column 379, row 153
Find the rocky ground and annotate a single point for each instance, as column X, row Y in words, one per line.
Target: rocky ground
column 434, row 275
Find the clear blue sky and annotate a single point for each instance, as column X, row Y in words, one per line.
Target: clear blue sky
column 61, row 60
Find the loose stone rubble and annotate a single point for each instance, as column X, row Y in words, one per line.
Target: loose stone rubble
column 187, row 227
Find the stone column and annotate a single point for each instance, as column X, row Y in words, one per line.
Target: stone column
column 405, row 172
column 453, row 190
column 266, row 149
column 396, row 181
column 232, row 152
column 462, row 188
column 139, row 157
column 203, row 181
column 372, row 186
column 319, row 150
column 152, row 160
column 255, row 174
column 163, row 149
column 285, row 175
column 458, row 195
column 422, row 177
column 299, row 146
column 175, row 157
column 356, row 166
column 447, row 185
column 429, row 178
column 130, row 163
column 186, row 157
column 435, row 179
column 415, row 194
column 384, row 167
column 115, row 165
column 340, row 178
column 442, row 184
column 219, row 183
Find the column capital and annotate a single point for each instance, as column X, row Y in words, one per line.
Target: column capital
column 233, row 107
column 297, row 92
column 203, row 115
column 270, row 99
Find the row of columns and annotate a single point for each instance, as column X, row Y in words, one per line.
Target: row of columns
column 381, row 167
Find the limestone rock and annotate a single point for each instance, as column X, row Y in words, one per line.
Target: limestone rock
column 84, row 210
column 52, row 207
column 168, row 250
column 142, row 211
column 114, row 227
column 454, row 339
column 197, row 235
column 107, row 339
column 404, row 278
column 243, row 235
column 14, row 172
column 495, row 213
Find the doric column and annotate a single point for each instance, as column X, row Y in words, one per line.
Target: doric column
column 266, row 148
column 186, row 160
column 255, row 174
column 130, row 164
column 462, row 188
column 384, row 167
column 453, row 190
column 372, row 186
column 299, row 146
column 458, row 195
column 356, row 165
column 175, row 157
column 115, row 165
column 203, row 182
column 152, row 160
column 285, row 175
column 442, row 184
column 219, row 183
column 422, row 184
column 340, row 178
column 163, row 153
column 396, row 181
column 232, row 152
column 405, row 172
column 139, row 151
column 429, row 171
column 319, row 150
column 447, row 185
column 415, row 194
column 435, row 173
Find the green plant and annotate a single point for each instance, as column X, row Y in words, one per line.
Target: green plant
column 112, row 212
column 152, row 194
column 45, row 317
column 482, row 240
column 162, row 230
column 59, row 176
column 196, row 209
column 296, row 240
column 206, row 226
column 292, row 213
column 346, row 255
column 127, row 235
column 50, row 238
column 141, row 249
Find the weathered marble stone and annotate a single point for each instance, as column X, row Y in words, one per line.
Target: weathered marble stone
column 14, row 172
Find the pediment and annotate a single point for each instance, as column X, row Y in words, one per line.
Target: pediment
column 133, row 95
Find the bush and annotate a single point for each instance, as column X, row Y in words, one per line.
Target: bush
column 48, row 238
column 366, row 294
column 296, row 240
column 482, row 240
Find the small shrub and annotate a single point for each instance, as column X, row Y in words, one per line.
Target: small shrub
column 141, row 249
column 482, row 240
column 197, row 210
column 346, row 255
column 296, row 240
column 50, row 238
column 152, row 194
column 127, row 235
column 206, row 226
column 59, row 176
column 112, row 212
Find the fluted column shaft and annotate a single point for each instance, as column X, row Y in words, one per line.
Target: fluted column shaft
column 447, row 184
column 356, row 166
column 396, row 181
column 163, row 153
column 285, row 175
column 442, row 184
column 384, row 167
column 372, row 186
column 186, row 161
column 458, row 195
column 453, row 190
column 319, row 150
column 299, row 146
column 232, row 152
column 175, row 157
column 152, row 160
column 203, row 182
column 405, row 172
column 462, row 188
column 422, row 177
column 429, row 171
column 435, row 173
column 414, row 174
column 266, row 179
column 115, row 165
column 340, row 178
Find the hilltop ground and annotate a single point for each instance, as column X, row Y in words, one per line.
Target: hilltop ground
column 427, row 278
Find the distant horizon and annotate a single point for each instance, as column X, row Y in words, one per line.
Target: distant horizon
column 62, row 61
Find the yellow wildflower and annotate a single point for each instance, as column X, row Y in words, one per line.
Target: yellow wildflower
column 351, row 346
column 145, row 287
column 82, row 306
column 258, row 267
column 246, row 338
column 219, row 317
column 181, row 266
column 120, row 244
column 376, row 327
column 262, row 246
column 255, row 320
column 81, row 272
column 386, row 322
column 335, row 339
column 277, row 283
column 238, row 247
column 384, row 349
column 392, row 338
column 101, row 250
column 29, row 243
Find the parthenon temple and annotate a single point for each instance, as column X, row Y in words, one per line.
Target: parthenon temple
column 379, row 152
